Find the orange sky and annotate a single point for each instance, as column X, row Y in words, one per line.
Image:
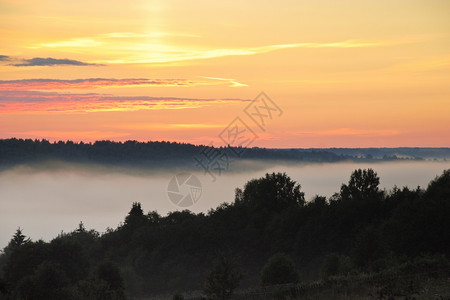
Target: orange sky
column 340, row 73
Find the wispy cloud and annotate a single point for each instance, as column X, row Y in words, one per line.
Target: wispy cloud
column 161, row 53
column 84, row 135
column 349, row 132
column 158, row 34
column 233, row 82
column 151, row 47
column 43, row 61
column 88, row 83
column 35, row 101
column 91, row 83
column 46, row 95
column 164, row 126
column 106, row 38
column 72, row 43
column 40, row 61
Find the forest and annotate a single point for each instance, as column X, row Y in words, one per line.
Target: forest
column 132, row 153
column 163, row 155
column 268, row 236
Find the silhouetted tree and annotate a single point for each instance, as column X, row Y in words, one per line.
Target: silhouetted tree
column 440, row 186
column 70, row 256
column 273, row 192
column 49, row 281
column 110, row 273
column 369, row 249
column 17, row 240
column 135, row 216
column 178, row 296
column 279, row 269
column 364, row 225
column 105, row 283
column 3, row 287
column 224, row 277
column 81, row 228
column 24, row 260
column 363, row 184
column 330, row 266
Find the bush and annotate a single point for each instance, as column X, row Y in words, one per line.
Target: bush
column 279, row 269
column 334, row 264
column 330, row 266
column 223, row 278
column 178, row 296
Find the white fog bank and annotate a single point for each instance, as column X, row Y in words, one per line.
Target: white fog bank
column 47, row 201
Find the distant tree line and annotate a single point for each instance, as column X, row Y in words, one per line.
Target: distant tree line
column 171, row 154
column 268, row 235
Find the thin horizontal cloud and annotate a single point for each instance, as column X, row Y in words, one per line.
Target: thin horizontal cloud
column 105, row 38
column 158, row 34
column 73, row 43
column 4, row 58
column 91, row 83
column 164, row 126
column 49, row 61
column 136, row 47
column 233, row 82
column 349, row 132
column 74, row 135
column 143, row 53
column 35, row 101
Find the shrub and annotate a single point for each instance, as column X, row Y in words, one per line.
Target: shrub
column 279, row 269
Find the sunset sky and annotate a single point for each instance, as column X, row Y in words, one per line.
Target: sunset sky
column 342, row 73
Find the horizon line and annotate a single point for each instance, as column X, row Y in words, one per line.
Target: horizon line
column 56, row 141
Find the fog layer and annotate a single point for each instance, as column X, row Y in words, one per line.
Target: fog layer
column 45, row 201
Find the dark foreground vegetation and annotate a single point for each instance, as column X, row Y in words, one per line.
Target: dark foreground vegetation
column 269, row 243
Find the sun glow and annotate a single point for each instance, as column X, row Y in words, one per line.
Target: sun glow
column 340, row 80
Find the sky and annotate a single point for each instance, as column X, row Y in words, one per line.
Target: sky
column 333, row 73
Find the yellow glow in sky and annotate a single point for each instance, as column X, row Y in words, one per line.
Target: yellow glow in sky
column 345, row 73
